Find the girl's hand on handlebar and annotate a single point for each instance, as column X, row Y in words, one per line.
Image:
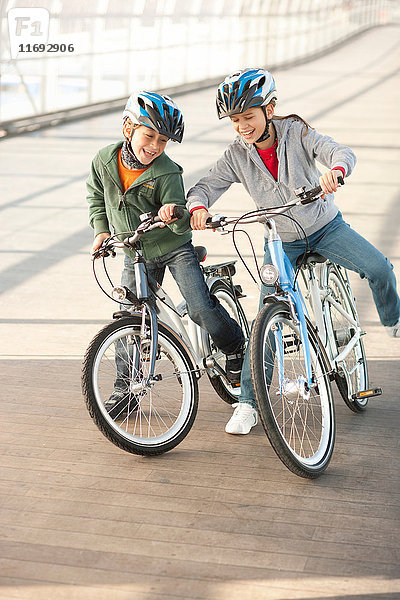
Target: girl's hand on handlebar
column 329, row 181
column 199, row 218
column 98, row 240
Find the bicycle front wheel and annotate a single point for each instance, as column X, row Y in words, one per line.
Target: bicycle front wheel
column 299, row 422
column 352, row 373
column 138, row 415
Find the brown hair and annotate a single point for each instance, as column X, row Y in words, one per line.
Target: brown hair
column 293, row 115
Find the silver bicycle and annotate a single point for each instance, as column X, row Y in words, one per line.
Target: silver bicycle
column 153, row 354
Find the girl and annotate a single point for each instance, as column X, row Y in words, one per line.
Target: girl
column 271, row 157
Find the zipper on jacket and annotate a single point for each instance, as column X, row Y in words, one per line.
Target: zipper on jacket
column 120, row 194
column 269, row 174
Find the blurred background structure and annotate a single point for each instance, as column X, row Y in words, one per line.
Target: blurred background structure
column 102, row 49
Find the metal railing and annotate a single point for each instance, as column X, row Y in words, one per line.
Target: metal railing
column 119, row 46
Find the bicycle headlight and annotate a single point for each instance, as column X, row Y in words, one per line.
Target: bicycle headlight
column 119, row 293
column 269, row 274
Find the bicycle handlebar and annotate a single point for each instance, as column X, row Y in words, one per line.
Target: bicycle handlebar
column 149, row 222
column 260, row 216
column 309, row 196
column 177, row 214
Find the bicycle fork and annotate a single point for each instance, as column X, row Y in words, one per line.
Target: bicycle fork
column 143, row 295
column 304, row 382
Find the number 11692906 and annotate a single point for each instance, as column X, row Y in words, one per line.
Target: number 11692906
column 28, row 48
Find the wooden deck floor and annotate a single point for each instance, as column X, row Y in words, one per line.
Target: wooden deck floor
column 219, row 517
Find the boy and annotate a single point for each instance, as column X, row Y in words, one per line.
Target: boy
column 135, row 176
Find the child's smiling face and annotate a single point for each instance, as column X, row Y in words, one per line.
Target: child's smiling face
column 147, row 144
column 250, row 124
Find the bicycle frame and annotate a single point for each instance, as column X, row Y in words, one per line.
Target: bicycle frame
column 295, row 300
column 319, row 297
column 193, row 336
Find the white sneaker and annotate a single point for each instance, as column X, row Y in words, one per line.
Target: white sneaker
column 243, row 419
column 394, row 330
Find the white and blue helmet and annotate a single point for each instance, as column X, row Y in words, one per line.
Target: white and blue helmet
column 243, row 90
column 157, row 112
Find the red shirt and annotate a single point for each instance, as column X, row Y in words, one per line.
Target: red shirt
column 270, row 159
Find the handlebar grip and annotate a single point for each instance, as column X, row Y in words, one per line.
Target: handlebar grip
column 178, row 213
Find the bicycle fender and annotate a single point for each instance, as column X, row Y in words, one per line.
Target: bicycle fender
column 121, row 313
column 211, row 280
column 271, row 299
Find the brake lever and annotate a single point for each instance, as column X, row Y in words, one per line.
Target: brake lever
column 103, row 251
column 215, row 222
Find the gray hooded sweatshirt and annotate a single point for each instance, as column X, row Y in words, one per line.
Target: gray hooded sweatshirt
column 297, row 150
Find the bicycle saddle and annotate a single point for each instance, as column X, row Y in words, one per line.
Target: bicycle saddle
column 310, row 257
column 201, row 253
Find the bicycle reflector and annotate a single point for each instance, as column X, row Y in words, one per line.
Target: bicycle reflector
column 269, row 274
column 119, row 293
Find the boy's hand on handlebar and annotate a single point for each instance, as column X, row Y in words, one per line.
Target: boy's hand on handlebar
column 199, row 218
column 329, row 181
column 166, row 213
column 98, row 240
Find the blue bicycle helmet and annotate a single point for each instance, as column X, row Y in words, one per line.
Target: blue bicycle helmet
column 157, row 112
column 243, row 90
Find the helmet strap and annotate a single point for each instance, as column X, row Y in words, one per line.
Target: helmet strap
column 129, row 157
column 266, row 133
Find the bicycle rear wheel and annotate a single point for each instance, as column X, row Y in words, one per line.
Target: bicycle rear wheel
column 299, row 422
column 146, row 418
column 224, row 293
column 352, row 374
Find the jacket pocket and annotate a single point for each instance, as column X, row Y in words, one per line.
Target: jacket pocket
column 146, row 190
column 113, row 200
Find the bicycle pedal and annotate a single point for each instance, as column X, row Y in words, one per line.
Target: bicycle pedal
column 367, row 394
column 234, row 385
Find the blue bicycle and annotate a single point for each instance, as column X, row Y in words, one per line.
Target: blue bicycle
column 292, row 361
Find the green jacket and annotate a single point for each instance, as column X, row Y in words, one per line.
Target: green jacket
column 111, row 208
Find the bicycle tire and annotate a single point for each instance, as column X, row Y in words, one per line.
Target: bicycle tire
column 154, row 419
column 339, row 330
column 223, row 291
column 301, row 429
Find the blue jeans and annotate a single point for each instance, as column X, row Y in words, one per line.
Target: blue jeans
column 342, row 245
column 203, row 309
